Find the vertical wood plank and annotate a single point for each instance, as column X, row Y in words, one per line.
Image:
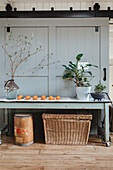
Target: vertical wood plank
column 89, row 4
column 20, row 6
column 2, row 7
column 83, row 6
column 80, row 40
column 102, row 5
column 111, row 81
column 109, row 4
column 52, row 5
column 2, row 62
column 52, row 56
column 46, row 6
column 77, row 6
column 40, row 6
column 64, row 6
column 72, row 55
column 64, row 58
column 32, row 5
column 105, row 54
column 27, row 6
column 91, row 50
column 2, row 70
column 70, row 4
column 58, row 6
column 16, row 5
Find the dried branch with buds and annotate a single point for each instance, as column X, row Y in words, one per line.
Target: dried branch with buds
column 18, row 51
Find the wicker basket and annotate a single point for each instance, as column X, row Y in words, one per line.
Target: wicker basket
column 66, row 129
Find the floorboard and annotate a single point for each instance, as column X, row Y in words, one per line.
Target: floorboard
column 38, row 156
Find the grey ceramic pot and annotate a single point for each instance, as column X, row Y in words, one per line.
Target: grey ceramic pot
column 98, row 96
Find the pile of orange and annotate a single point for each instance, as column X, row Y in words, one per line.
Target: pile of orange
column 36, row 97
column 50, row 98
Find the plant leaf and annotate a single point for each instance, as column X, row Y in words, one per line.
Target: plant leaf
column 68, row 75
column 67, row 68
column 85, row 79
column 72, row 63
column 71, row 67
column 89, row 65
column 89, row 72
column 78, row 57
column 79, row 78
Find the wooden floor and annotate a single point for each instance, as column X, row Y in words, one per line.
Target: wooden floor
column 94, row 156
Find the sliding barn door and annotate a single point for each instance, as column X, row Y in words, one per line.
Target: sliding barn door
column 59, row 46
column 71, row 41
column 32, row 74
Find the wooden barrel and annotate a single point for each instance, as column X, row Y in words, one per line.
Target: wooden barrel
column 23, row 129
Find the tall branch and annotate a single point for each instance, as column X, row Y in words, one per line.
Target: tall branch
column 22, row 60
column 10, row 62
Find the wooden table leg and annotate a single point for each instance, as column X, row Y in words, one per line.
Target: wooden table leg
column 5, row 124
column 6, row 120
column 0, row 138
column 106, row 113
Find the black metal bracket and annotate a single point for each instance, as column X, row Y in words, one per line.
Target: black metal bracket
column 8, row 29
column 96, row 12
column 96, row 29
column 8, row 7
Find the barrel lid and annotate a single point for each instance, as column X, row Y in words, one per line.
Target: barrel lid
column 23, row 115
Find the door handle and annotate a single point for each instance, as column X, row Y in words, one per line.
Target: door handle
column 104, row 78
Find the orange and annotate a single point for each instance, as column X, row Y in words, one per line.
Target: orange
column 35, row 97
column 43, row 97
column 27, row 97
column 58, row 97
column 54, row 98
column 19, row 97
column 50, row 97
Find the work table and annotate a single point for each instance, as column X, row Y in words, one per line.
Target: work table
column 63, row 103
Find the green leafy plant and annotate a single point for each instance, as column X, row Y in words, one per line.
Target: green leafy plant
column 78, row 75
column 99, row 88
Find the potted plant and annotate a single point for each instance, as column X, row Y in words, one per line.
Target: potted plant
column 99, row 94
column 79, row 75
